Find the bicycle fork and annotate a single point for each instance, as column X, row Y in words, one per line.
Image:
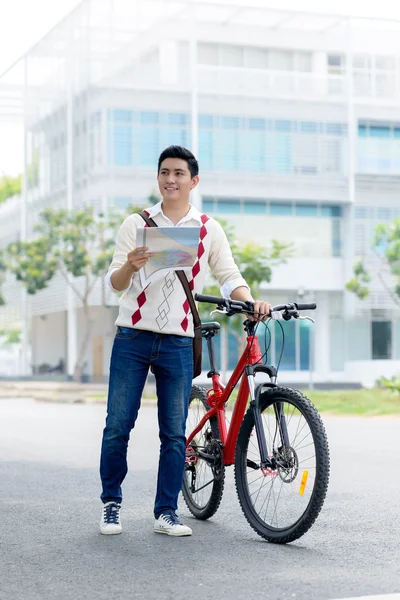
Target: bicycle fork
column 267, row 462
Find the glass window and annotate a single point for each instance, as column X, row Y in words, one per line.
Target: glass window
column 334, row 128
column 380, row 132
column 280, row 208
column 228, row 150
column 306, row 210
column 384, row 214
column 362, row 131
column 381, row 340
column 230, row 122
column 361, row 212
column 308, row 127
column 208, row 206
column 252, row 151
column 259, row 124
column 149, row 147
column 282, row 153
column 288, row 362
column 149, row 118
column 177, row 119
column 336, row 238
column 283, row 126
column 255, row 208
column 206, row 150
column 228, row 206
column 122, row 115
column 121, row 147
column 334, row 60
column 206, row 121
column 304, row 345
column 331, row 211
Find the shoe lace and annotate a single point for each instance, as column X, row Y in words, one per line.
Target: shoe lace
column 172, row 518
column 111, row 514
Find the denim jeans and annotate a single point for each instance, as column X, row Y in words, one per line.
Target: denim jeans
column 171, row 359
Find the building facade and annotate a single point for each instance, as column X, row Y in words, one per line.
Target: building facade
column 295, row 119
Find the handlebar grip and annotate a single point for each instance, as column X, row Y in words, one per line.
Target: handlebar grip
column 309, row 306
column 210, row 299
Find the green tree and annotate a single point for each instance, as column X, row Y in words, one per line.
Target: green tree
column 77, row 244
column 255, row 263
column 11, row 336
column 386, row 246
column 10, row 186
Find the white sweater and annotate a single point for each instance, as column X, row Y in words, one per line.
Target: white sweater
column 162, row 307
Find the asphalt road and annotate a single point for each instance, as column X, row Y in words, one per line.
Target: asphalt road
column 51, row 547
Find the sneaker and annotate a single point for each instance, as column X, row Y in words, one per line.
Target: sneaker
column 110, row 522
column 170, row 524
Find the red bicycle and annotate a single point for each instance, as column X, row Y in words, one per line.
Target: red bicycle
column 279, row 446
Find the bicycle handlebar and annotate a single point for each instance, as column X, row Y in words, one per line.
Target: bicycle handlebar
column 236, row 306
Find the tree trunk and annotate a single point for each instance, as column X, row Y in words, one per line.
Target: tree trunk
column 78, row 372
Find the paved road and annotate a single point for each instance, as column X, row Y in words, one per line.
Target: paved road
column 51, row 548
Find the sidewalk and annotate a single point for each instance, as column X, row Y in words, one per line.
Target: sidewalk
column 62, row 391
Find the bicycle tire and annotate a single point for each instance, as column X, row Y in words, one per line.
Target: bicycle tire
column 203, row 509
column 244, row 471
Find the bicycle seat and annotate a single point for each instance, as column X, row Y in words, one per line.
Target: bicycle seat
column 212, row 326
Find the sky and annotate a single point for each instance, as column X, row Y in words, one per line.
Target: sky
column 24, row 22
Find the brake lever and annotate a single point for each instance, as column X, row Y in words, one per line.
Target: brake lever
column 306, row 318
column 218, row 310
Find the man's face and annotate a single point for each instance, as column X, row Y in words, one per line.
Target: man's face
column 175, row 180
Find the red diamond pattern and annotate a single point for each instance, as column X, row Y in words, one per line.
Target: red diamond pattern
column 141, row 299
column 137, row 315
column 195, row 269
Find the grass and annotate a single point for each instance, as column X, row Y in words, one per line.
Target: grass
column 364, row 402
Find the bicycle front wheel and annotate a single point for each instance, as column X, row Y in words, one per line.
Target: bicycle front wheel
column 281, row 503
column 203, row 480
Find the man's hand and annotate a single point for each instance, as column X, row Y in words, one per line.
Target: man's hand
column 138, row 258
column 261, row 308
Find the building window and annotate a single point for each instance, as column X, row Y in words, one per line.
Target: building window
column 280, row 208
column 381, row 340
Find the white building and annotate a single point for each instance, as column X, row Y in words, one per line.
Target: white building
column 295, row 118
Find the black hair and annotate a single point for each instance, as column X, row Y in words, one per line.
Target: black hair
column 184, row 154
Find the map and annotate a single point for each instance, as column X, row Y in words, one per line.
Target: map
column 175, row 247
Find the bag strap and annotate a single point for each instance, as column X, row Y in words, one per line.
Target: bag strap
column 182, row 278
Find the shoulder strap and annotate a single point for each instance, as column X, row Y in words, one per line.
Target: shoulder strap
column 181, row 275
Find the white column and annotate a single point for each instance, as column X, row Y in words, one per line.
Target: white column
column 320, row 337
column 71, row 308
column 24, row 368
column 194, row 104
column 320, row 68
column 349, row 226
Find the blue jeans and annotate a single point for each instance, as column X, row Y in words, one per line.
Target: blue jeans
column 171, row 359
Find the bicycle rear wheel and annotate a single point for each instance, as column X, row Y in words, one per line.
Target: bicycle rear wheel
column 282, row 503
column 203, row 481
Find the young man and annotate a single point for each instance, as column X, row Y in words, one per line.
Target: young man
column 155, row 329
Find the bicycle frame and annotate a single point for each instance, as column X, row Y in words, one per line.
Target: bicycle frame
column 219, row 394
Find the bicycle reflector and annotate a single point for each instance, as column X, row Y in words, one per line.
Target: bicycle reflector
column 303, row 483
